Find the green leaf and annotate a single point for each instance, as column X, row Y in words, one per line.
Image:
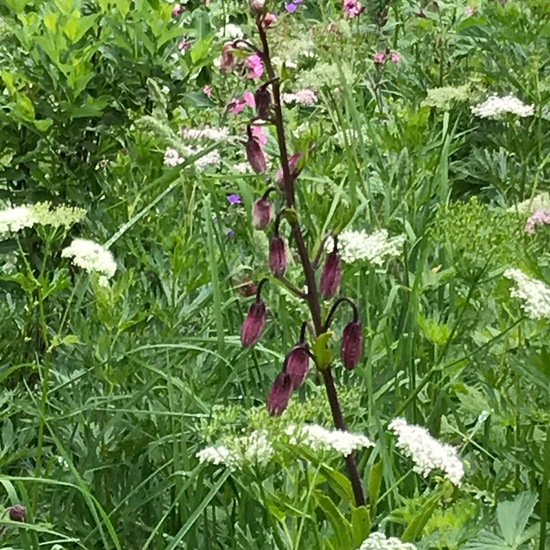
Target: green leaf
column 200, row 48
column 361, row 524
column 513, row 516
column 416, row 526
column 342, row 527
column 375, row 481
column 323, row 356
column 43, row 125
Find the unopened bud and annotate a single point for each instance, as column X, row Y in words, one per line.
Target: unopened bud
column 255, row 155
column 18, row 513
column 352, row 344
column 257, row 6
column 277, row 256
column 253, row 324
column 262, row 214
column 262, row 100
column 228, row 59
column 268, row 20
column 297, row 364
column 292, row 168
column 279, row 395
column 331, row 275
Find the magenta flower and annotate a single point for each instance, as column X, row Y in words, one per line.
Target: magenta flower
column 248, row 98
column 259, row 134
column 268, row 20
column 176, row 10
column 395, row 57
column 233, row 198
column 379, row 57
column 183, row 45
column 254, row 65
column 353, row 8
column 236, row 105
column 207, row 90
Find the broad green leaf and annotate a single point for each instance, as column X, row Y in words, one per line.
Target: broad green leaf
column 513, row 516
column 361, row 524
column 200, row 48
column 416, row 526
column 342, row 527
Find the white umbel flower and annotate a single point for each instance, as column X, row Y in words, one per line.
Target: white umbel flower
column 376, row 248
column 253, row 449
column 91, row 257
column 15, row 219
column 495, row 107
column 534, row 294
column 379, row 541
column 426, row 452
column 172, row 158
column 304, row 97
column 320, row 439
column 206, row 133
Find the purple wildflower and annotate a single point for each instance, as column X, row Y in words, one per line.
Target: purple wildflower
column 233, row 198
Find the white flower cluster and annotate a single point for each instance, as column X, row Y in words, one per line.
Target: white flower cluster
column 229, row 31
column 320, row 439
column 495, row 107
column 91, row 257
column 530, row 206
column 214, row 134
column 304, row 97
column 427, row 452
column 42, row 213
column 376, row 247
column 173, row 158
column 253, row 449
column 379, row 541
column 534, row 294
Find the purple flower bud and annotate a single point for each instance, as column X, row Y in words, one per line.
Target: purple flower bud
column 277, row 256
column 18, row 513
column 253, row 324
column 262, row 214
column 279, row 395
column 331, row 275
column 292, row 167
column 262, row 100
column 255, row 155
column 352, row 344
column 297, row 365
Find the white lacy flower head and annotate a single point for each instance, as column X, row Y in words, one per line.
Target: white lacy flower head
column 426, row 452
column 495, row 107
column 172, row 158
column 320, row 439
column 534, row 294
column 305, row 97
column 376, row 247
column 230, row 31
column 42, row 213
column 242, row 168
column 530, row 206
column 91, row 257
column 379, row 541
column 15, row 219
column 253, row 449
column 214, row 134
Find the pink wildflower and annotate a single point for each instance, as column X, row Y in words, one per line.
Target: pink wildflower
column 236, row 106
column 268, row 20
column 259, row 135
column 353, row 8
column 470, row 10
column 183, row 45
column 177, row 9
column 395, row 57
column 254, row 65
column 379, row 57
column 539, row 217
column 248, row 98
column 207, row 90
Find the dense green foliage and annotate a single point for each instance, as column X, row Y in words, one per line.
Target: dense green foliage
column 110, row 391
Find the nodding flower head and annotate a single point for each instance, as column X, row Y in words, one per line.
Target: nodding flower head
column 262, row 98
column 254, row 322
column 257, row 6
column 331, row 274
column 17, row 513
column 228, row 59
column 279, row 395
column 277, row 256
column 268, row 20
column 292, row 168
column 255, row 154
column 297, row 364
column 262, row 213
column 351, row 348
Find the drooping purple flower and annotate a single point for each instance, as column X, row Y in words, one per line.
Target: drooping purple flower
column 17, row 513
column 352, row 344
column 262, row 99
column 262, row 213
column 331, row 275
column 279, row 395
column 255, row 154
column 254, row 323
column 297, row 364
column 277, row 256
column 293, row 161
column 233, row 198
